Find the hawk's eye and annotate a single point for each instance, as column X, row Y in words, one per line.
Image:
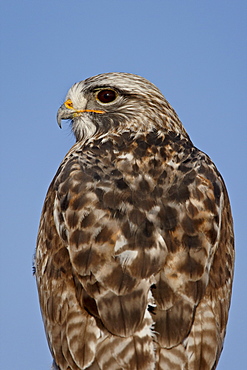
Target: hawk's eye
column 106, row 96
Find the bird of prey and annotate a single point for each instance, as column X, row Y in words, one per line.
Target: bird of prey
column 135, row 250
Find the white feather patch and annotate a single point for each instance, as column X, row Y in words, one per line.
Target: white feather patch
column 126, row 257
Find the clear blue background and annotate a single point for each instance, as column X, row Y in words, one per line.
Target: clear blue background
column 194, row 51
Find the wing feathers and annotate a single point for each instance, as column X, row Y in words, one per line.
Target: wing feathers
column 134, row 248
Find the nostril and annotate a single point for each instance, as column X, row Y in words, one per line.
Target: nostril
column 69, row 104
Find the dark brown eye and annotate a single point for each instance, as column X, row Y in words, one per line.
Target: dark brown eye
column 106, row 96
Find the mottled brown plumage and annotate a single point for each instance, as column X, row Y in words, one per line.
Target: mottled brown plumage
column 134, row 258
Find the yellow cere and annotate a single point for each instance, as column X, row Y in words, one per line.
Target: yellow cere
column 68, row 104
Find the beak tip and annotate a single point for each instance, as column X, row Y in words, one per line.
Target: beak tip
column 59, row 123
column 59, row 117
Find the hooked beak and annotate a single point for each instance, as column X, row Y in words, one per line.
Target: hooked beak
column 67, row 111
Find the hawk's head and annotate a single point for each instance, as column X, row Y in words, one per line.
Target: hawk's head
column 115, row 102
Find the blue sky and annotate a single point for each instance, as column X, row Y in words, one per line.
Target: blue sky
column 194, row 51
